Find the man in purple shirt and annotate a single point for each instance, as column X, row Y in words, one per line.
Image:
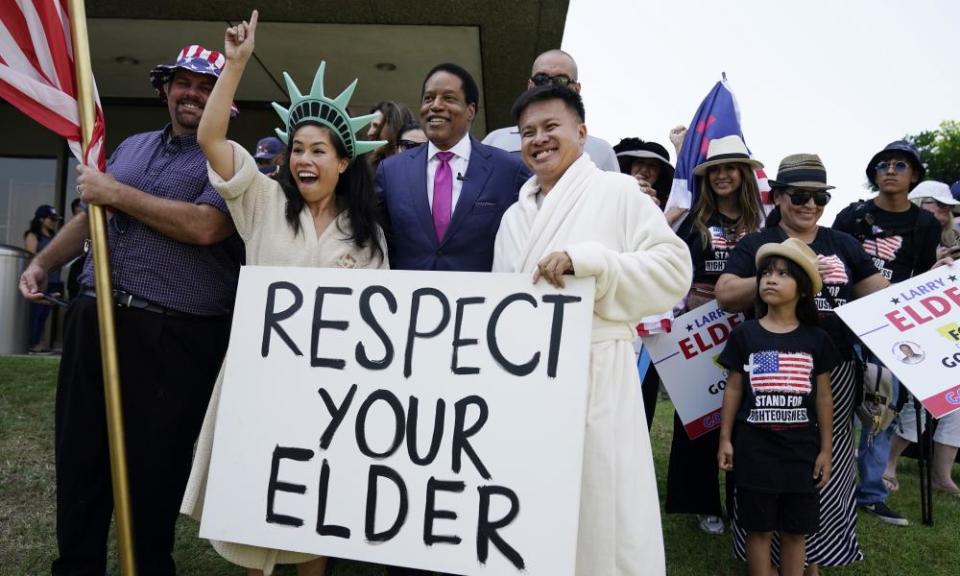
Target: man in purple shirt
column 174, row 258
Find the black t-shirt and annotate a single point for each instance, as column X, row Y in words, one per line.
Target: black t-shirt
column 709, row 261
column 901, row 244
column 849, row 264
column 776, row 435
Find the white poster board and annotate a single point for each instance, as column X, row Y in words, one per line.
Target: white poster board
column 686, row 360
column 425, row 419
column 913, row 327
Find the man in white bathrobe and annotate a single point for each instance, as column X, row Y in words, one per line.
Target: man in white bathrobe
column 573, row 218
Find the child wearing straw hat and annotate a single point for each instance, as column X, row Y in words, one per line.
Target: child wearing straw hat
column 777, row 415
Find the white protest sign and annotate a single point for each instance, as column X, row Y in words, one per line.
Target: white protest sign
column 913, row 327
column 686, row 360
column 424, row 419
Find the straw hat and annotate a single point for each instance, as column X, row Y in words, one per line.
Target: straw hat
column 726, row 150
column 798, row 252
column 801, row 171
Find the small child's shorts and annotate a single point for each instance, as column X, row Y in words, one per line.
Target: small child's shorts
column 791, row 512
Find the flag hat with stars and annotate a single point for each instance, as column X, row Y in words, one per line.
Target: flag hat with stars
column 193, row 58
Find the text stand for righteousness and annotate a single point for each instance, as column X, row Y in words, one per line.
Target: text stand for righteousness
column 421, row 419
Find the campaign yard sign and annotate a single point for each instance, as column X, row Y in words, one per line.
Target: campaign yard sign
column 431, row 420
column 913, row 327
column 686, row 360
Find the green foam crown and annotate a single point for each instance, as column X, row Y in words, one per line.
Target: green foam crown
column 316, row 107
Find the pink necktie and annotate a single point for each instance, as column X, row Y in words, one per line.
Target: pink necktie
column 442, row 194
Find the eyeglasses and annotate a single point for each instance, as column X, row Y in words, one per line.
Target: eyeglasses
column 541, row 79
column 407, row 144
column 801, row 197
column 899, row 166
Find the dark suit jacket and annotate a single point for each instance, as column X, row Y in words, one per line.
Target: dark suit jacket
column 490, row 186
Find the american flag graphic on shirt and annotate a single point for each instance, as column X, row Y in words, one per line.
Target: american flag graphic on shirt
column 718, row 240
column 780, row 372
column 836, row 272
column 885, row 248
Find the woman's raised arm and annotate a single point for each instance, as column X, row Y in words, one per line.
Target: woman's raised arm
column 238, row 44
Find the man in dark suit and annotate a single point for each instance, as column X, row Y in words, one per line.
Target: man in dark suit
column 444, row 200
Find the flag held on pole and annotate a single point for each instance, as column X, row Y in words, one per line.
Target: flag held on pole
column 717, row 116
column 37, row 72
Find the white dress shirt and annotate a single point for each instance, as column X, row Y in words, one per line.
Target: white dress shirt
column 458, row 165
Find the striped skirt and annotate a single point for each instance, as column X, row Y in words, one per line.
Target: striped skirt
column 835, row 543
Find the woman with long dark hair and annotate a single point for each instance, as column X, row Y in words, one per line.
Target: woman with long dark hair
column 42, row 229
column 388, row 124
column 800, row 194
column 726, row 209
column 320, row 211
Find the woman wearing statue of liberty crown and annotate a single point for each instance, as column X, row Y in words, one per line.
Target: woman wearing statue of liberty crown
column 320, row 212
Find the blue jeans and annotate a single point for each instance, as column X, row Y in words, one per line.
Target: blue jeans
column 872, row 460
column 38, row 322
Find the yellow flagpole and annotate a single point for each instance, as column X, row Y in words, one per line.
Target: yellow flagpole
column 101, row 264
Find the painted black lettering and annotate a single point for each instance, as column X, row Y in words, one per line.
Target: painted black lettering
column 460, row 442
column 337, row 413
column 367, row 314
column 459, row 342
column 275, row 485
column 556, row 328
column 361, row 423
column 373, row 479
column 413, row 413
column 431, row 513
column 413, row 333
column 319, row 324
column 487, row 530
column 323, row 528
column 515, row 369
column 272, row 318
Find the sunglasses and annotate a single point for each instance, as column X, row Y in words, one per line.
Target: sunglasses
column 407, row 144
column 542, row 79
column 801, row 197
column 899, row 166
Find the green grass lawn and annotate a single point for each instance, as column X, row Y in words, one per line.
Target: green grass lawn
column 27, row 543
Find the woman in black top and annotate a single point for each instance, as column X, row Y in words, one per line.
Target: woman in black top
column 727, row 208
column 800, row 194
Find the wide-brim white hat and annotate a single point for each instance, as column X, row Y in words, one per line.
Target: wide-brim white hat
column 726, row 150
column 936, row 190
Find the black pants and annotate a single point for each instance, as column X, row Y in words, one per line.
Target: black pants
column 693, row 475
column 168, row 365
column 649, row 389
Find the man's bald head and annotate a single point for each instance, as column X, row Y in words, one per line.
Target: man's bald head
column 555, row 62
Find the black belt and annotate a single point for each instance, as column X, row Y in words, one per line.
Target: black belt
column 127, row 300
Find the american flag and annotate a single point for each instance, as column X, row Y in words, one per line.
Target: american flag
column 659, row 324
column 885, row 248
column 717, row 116
column 836, row 272
column 718, row 240
column 787, row 372
column 37, row 74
